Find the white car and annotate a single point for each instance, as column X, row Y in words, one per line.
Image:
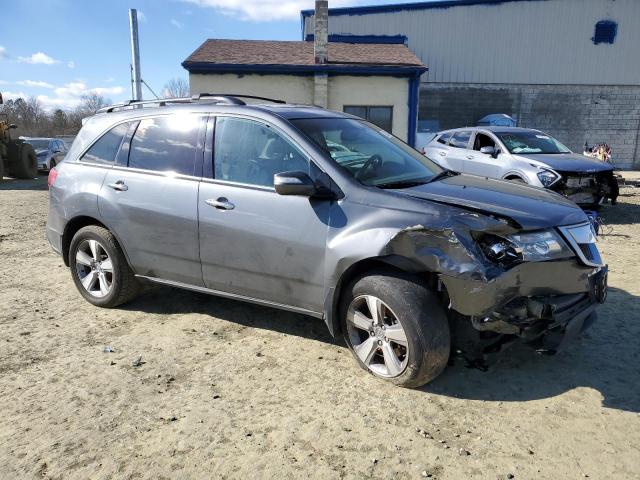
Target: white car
column 527, row 156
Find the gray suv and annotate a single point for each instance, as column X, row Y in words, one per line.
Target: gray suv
column 324, row 214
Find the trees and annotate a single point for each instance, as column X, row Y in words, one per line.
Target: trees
column 176, row 88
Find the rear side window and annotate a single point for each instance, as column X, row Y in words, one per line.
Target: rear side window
column 106, row 148
column 166, row 144
column 460, row 139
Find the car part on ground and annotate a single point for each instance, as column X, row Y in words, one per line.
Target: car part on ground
column 323, row 214
column 525, row 156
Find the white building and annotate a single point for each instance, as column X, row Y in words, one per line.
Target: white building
column 571, row 67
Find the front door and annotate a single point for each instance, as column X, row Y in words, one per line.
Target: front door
column 151, row 200
column 481, row 163
column 254, row 242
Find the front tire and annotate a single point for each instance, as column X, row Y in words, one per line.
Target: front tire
column 99, row 268
column 396, row 328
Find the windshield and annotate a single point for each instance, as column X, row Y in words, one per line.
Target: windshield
column 531, row 142
column 370, row 154
column 39, row 144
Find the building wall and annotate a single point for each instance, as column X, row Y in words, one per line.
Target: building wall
column 343, row 90
column 572, row 113
column 373, row 91
column 527, row 41
column 292, row 89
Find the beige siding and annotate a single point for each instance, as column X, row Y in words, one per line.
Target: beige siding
column 292, row 89
column 530, row 42
column 343, row 90
column 379, row 91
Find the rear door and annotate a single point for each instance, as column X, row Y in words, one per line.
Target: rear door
column 458, row 149
column 437, row 149
column 481, row 163
column 150, row 197
column 254, row 242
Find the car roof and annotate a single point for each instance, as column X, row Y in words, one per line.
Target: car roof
column 490, row 128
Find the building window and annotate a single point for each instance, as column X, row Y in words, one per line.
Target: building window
column 606, row 31
column 380, row 116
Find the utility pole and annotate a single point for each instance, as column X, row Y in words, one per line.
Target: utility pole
column 136, row 81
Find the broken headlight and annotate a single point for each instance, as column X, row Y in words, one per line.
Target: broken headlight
column 547, row 177
column 524, row 247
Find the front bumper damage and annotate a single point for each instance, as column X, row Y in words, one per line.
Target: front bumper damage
column 544, row 304
column 587, row 188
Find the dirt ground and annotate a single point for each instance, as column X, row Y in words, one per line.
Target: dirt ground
column 230, row 390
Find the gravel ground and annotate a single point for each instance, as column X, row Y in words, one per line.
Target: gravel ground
column 230, row 390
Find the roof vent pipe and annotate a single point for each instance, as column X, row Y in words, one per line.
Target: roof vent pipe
column 321, row 32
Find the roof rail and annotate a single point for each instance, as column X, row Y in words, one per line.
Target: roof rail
column 236, row 96
column 224, row 99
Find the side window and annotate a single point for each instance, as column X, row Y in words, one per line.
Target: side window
column 106, row 148
column 460, row 139
column 166, row 144
column 444, row 138
column 483, row 140
column 380, row 116
column 250, row 152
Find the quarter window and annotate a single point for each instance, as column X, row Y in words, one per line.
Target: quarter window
column 444, row 138
column 166, row 144
column 460, row 139
column 106, row 148
column 252, row 153
column 380, row 116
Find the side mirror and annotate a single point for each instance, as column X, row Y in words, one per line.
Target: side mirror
column 13, row 126
column 488, row 151
column 294, row 183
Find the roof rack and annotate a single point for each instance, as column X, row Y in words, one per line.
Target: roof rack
column 223, row 99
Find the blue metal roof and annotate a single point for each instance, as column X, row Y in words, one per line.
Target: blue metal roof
column 399, row 7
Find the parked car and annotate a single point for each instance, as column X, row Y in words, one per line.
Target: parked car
column 527, row 156
column 49, row 151
column 256, row 203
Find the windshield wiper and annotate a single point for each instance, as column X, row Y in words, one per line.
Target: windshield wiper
column 443, row 174
column 402, row 184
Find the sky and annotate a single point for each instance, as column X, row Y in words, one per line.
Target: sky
column 59, row 50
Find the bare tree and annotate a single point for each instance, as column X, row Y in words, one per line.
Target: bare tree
column 176, row 88
column 93, row 102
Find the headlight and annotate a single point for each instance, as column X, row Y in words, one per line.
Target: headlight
column 524, row 247
column 547, row 177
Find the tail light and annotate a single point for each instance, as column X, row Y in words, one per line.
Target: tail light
column 53, row 174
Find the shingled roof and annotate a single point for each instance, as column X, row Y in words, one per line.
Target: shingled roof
column 233, row 55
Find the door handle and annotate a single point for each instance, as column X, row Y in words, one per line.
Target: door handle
column 469, row 157
column 220, row 203
column 442, row 154
column 119, row 185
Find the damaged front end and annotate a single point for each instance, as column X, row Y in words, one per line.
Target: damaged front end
column 587, row 188
column 541, row 287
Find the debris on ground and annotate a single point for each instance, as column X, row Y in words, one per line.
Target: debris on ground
column 108, row 350
column 138, row 362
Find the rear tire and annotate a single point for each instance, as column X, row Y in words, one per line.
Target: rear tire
column 407, row 305
column 99, row 268
column 1, row 169
column 26, row 163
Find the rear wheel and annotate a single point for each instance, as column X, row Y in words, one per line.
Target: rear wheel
column 396, row 328
column 99, row 268
column 25, row 165
column 1, row 168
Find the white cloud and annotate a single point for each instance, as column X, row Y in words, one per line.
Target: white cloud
column 267, row 10
column 3, row 52
column 38, row 57
column 13, row 95
column 70, row 95
column 71, row 64
column 35, row 83
column 3, row 82
column 176, row 23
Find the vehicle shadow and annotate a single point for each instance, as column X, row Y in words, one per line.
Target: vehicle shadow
column 39, row 183
column 603, row 359
column 623, row 213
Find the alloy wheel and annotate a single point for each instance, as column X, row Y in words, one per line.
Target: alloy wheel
column 94, row 268
column 377, row 336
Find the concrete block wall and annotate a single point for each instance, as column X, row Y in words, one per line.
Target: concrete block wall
column 571, row 113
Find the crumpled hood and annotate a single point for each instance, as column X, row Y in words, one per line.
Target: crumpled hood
column 532, row 207
column 568, row 162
